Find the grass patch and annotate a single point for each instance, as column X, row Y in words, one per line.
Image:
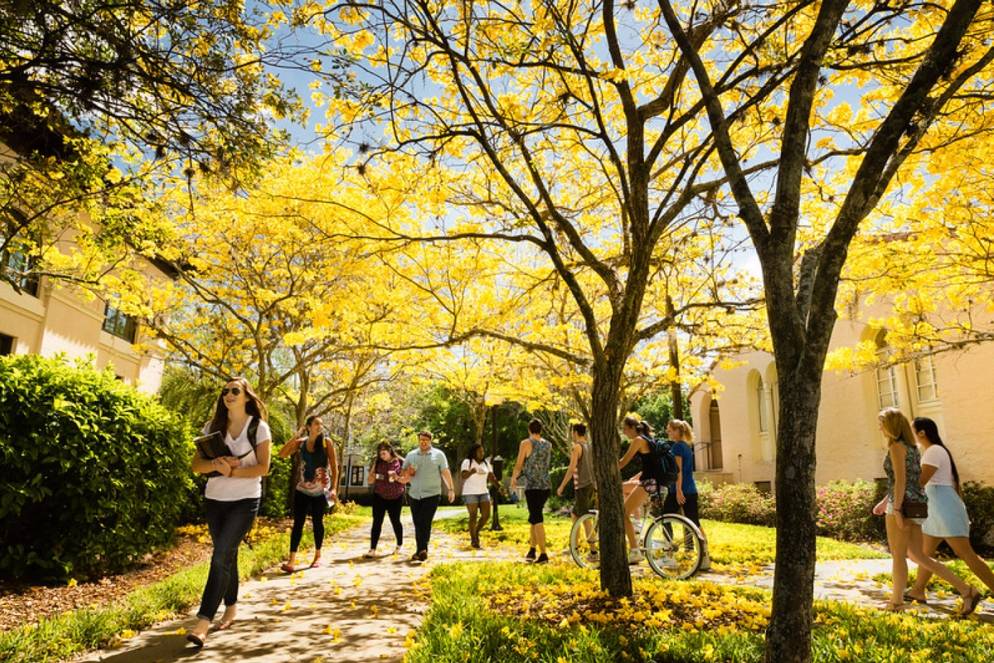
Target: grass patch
column 81, row 630
column 734, row 548
column 556, row 613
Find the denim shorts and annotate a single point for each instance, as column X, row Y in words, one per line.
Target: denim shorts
column 476, row 499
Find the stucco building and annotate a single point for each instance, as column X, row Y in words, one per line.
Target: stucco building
column 735, row 429
column 48, row 319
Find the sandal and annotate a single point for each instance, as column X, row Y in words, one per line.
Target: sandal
column 225, row 624
column 286, row 568
column 911, row 598
column 970, row 604
column 315, row 564
column 894, row 607
column 197, row 640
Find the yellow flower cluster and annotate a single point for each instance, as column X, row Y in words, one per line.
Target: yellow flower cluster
column 690, row 606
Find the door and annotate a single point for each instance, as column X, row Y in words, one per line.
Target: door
column 714, row 449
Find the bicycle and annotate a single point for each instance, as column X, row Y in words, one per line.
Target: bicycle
column 673, row 545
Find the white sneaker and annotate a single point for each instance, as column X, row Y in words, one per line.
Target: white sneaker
column 396, row 551
column 705, row 563
column 635, row 556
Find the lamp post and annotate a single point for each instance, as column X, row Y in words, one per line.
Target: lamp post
column 498, row 465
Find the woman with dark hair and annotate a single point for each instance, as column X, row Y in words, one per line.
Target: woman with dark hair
column 947, row 518
column 232, row 496
column 388, row 495
column 317, row 477
column 534, row 455
column 475, row 472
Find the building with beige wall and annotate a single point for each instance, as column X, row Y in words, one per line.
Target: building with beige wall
column 735, row 428
column 49, row 319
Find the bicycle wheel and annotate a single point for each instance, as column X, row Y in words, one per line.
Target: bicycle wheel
column 583, row 541
column 674, row 547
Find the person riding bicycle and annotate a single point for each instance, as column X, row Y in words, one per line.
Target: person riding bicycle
column 649, row 480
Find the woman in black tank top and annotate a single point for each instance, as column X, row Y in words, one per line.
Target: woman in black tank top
column 642, row 484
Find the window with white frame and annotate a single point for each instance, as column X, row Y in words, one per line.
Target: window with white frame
column 928, row 388
column 761, row 405
column 887, row 393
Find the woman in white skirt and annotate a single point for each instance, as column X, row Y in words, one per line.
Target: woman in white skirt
column 947, row 518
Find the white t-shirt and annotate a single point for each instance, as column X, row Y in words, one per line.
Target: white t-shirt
column 476, row 483
column 230, row 489
column 938, row 458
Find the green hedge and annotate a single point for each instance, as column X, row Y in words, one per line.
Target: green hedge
column 95, row 474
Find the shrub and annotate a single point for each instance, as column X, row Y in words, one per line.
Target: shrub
column 979, row 499
column 95, row 474
column 845, row 510
column 736, row 503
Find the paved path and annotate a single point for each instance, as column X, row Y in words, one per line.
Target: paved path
column 350, row 609
column 357, row 610
column 852, row 581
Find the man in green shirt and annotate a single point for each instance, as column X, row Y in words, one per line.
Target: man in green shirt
column 426, row 468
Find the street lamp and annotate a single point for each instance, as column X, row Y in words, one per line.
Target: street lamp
column 498, row 465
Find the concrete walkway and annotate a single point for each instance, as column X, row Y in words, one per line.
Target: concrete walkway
column 851, row 581
column 348, row 610
column 357, row 610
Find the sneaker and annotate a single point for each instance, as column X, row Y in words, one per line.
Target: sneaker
column 593, row 556
column 531, row 554
column 705, row 563
column 542, row 559
column 423, row 555
column 416, row 557
column 635, row 556
column 370, row 555
column 396, row 551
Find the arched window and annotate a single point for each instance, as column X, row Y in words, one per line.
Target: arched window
column 761, row 405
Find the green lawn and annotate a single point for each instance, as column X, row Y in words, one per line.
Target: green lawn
column 556, row 613
column 734, row 548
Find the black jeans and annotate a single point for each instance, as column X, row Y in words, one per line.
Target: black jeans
column 423, row 512
column 228, row 523
column 381, row 507
column 303, row 505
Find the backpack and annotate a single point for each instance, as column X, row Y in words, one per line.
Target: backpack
column 665, row 462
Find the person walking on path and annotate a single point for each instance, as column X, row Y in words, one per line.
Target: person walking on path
column 581, row 472
column 317, row 478
column 476, row 473
column 233, row 493
column 534, row 455
column 425, row 468
column 904, row 533
column 682, row 494
column 388, row 495
column 947, row 517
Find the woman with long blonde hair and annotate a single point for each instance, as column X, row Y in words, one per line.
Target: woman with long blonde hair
column 904, row 534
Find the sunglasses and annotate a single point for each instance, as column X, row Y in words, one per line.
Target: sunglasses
column 234, row 391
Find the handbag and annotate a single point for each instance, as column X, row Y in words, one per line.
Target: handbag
column 914, row 509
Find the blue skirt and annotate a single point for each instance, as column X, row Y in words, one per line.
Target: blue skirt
column 947, row 516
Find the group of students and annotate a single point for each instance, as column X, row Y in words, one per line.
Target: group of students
column 926, row 476
column 234, row 491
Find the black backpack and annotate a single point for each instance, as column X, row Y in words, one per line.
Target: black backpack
column 662, row 457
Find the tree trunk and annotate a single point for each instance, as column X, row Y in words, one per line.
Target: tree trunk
column 673, row 345
column 788, row 637
column 616, row 578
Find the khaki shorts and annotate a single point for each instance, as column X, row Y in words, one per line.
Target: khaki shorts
column 585, row 498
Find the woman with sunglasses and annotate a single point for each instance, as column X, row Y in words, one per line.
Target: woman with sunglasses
column 232, row 496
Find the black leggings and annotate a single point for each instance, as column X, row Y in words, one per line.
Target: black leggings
column 536, row 503
column 303, row 505
column 382, row 506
